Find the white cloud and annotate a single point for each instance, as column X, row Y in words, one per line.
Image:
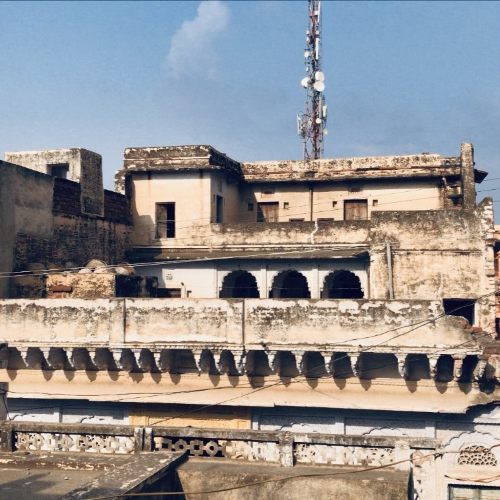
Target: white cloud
column 192, row 47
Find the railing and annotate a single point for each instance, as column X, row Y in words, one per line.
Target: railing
column 284, row 448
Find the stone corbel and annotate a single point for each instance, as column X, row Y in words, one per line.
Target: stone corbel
column 433, row 362
column 79, row 358
column 274, row 361
column 25, row 355
column 140, row 360
column 202, row 363
column 222, row 362
column 402, row 365
column 160, row 362
column 69, row 353
column 244, row 363
column 117, row 357
column 299, row 361
column 46, row 363
column 458, row 360
column 329, row 363
column 355, row 363
column 480, row 369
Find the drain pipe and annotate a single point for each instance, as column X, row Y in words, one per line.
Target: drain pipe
column 389, row 267
column 311, row 202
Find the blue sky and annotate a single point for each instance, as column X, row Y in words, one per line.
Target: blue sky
column 401, row 78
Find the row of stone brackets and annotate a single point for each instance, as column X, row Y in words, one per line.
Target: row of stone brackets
column 243, row 363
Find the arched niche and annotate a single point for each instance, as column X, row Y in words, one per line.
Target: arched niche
column 342, row 285
column 290, row 285
column 239, row 285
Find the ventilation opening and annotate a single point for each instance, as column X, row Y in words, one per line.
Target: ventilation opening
column 60, row 170
column 460, row 307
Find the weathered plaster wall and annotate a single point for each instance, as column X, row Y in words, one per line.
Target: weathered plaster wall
column 218, row 417
column 328, row 197
column 25, row 206
column 74, row 237
column 206, row 279
column 191, row 193
column 61, row 320
column 236, row 322
column 200, row 475
column 435, row 255
column 85, row 167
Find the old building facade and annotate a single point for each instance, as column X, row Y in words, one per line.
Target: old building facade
column 345, row 297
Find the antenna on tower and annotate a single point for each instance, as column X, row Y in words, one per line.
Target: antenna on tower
column 311, row 123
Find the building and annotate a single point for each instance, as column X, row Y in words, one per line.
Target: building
column 315, row 301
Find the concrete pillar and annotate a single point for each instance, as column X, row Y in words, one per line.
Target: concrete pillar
column 468, row 183
column 263, row 282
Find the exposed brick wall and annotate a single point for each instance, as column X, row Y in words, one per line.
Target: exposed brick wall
column 67, row 202
column 116, row 208
column 77, row 237
column 66, row 197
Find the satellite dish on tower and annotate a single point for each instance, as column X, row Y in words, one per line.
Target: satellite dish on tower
column 319, row 76
column 305, row 82
column 319, row 86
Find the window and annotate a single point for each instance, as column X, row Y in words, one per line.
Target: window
column 355, row 209
column 250, row 207
column 219, row 186
column 296, row 220
column 460, row 307
column 169, row 293
column 267, row 212
column 266, row 192
column 470, row 492
column 219, row 209
column 165, row 220
column 286, row 205
column 60, row 170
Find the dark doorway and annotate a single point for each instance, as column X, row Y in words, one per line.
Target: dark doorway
column 165, row 220
column 267, row 212
column 356, row 209
column 219, row 213
column 460, row 307
column 342, row 285
column 290, row 285
column 239, row 285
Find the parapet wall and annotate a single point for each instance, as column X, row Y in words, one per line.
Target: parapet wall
column 250, row 323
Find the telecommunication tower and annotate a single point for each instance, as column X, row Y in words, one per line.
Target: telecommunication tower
column 311, row 123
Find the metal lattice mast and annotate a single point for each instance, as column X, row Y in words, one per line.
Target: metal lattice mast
column 311, row 123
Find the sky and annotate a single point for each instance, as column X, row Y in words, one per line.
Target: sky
column 401, row 78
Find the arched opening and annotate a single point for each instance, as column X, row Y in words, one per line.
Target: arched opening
column 342, row 285
column 239, row 285
column 290, row 285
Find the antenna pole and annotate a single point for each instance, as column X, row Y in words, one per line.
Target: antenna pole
column 311, row 123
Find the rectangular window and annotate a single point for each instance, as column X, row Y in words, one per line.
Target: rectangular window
column 267, row 192
column 474, row 492
column 296, row 220
column 267, row 212
column 326, row 219
column 286, row 205
column 60, row 170
column 355, row 209
column 219, row 210
column 250, row 207
column 165, row 220
column 169, row 293
column 460, row 307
